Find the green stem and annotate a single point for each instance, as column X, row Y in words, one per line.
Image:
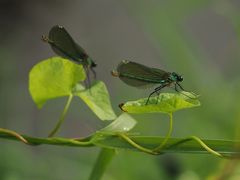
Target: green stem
column 103, row 160
column 159, row 148
column 14, row 134
column 137, row 146
column 208, row 149
column 227, row 148
column 62, row 117
column 127, row 139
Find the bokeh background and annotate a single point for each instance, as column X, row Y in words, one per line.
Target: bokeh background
column 199, row 39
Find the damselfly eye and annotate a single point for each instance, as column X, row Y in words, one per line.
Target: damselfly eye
column 93, row 64
column 180, row 78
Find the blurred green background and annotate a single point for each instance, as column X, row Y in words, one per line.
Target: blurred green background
column 199, row 39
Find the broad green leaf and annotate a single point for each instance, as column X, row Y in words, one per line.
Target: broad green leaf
column 97, row 98
column 173, row 145
column 52, row 78
column 166, row 103
column 123, row 123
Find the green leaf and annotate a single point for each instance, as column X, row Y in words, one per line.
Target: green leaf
column 123, row 123
column 52, row 78
column 166, row 103
column 57, row 77
column 97, row 99
column 173, row 145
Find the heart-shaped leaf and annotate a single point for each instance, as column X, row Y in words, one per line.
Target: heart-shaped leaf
column 165, row 103
column 52, row 78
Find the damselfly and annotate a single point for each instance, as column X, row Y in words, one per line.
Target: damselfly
column 140, row 76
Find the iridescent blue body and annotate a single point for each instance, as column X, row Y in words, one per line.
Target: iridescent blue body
column 138, row 75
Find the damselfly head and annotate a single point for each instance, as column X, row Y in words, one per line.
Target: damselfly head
column 179, row 78
column 176, row 77
column 93, row 64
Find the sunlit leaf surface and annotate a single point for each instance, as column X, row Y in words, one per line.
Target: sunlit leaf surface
column 97, row 99
column 166, row 103
column 52, row 78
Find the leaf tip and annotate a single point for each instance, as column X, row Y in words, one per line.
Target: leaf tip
column 121, row 107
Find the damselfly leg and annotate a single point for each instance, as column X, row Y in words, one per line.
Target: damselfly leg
column 157, row 91
column 176, row 85
column 94, row 73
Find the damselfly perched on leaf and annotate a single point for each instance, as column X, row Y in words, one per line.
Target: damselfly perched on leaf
column 64, row 45
column 141, row 76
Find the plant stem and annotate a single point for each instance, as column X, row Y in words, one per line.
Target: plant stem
column 208, row 149
column 103, row 160
column 159, row 148
column 137, row 146
column 227, row 149
column 62, row 117
column 13, row 133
